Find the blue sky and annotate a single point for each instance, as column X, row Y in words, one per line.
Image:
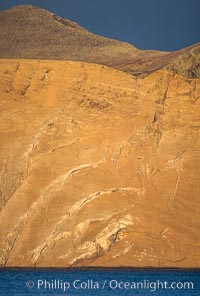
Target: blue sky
column 148, row 24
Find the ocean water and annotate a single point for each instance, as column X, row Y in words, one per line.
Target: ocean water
column 21, row 282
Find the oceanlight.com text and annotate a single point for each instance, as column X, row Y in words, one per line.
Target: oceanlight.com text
column 111, row 284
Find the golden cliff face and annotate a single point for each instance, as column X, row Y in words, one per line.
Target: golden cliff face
column 99, row 168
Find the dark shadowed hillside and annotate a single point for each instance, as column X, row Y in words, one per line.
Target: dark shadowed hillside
column 30, row 32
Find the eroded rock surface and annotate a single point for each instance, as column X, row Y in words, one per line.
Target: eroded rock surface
column 98, row 168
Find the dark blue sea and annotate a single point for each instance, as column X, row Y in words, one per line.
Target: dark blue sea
column 21, row 282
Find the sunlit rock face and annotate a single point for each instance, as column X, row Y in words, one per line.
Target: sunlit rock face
column 98, row 167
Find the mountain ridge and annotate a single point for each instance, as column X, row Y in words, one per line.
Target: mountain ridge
column 29, row 32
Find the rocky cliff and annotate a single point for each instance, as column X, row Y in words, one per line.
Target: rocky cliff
column 98, row 167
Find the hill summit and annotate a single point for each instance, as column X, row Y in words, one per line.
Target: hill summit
column 29, row 32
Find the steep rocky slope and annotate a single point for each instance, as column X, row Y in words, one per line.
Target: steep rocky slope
column 98, row 167
column 30, row 32
column 185, row 61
